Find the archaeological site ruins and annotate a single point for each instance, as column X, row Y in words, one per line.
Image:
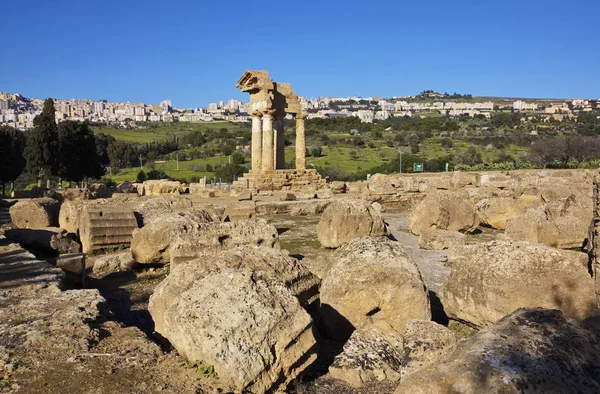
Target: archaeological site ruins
column 270, row 102
column 455, row 282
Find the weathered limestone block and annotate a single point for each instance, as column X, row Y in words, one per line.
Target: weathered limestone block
column 50, row 240
column 463, row 179
column 151, row 243
column 74, row 266
column 491, row 280
column 338, row 187
column 160, row 187
column 425, row 342
column 445, row 210
column 287, row 197
column 372, row 282
column 243, row 210
column 348, row 219
column 531, row 350
column 252, row 330
column 75, row 194
column 153, row 208
column 36, row 213
column 495, row 179
column 495, row 212
column 110, row 263
column 105, row 227
column 358, row 186
column 434, row 239
column 572, row 232
column 279, row 266
column 384, row 184
column 241, row 194
column 565, row 232
column 196, row 240
column 369, row 355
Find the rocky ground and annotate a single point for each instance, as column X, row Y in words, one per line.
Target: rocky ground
column 57, row 337
column 122, row 354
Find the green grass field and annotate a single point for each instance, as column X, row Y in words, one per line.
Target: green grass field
column 151, row 132
column 348, row 159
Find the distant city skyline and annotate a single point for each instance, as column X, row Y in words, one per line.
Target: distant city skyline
column 194, row 53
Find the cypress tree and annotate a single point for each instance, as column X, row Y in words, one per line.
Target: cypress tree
column 42, row 147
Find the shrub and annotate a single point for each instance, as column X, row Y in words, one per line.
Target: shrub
column 141, row 176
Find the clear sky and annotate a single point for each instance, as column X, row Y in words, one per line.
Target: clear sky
column 193, row 52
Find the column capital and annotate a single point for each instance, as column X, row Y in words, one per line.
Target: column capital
column 267, row 112
column 301, row 115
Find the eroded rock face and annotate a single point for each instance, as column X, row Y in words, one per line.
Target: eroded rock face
column 489, row 281
column 36, row 213
column 191, row 241
column 281, row 267
column 434, row 239
column 151, row 243
column 344, row 220
column 370, row 355
column 250, row 328
column 445, row 210
column 373, row 281
column 531, row 350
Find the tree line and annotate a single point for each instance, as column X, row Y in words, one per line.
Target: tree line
column 49, row 150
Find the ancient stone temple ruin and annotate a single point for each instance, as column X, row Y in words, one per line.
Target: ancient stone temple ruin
column 270, row 102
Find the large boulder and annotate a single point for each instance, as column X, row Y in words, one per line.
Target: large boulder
column 190, row 241
column 538, row 225
column 153, row 208
column 246, row 326
column 344, row 220
column 491, row 280
column 281, row 267
column 424, row 343
column 434, row 239
column 529, row 351
column 50, row 240
column 151, row 243
column 370, row 355
column 36, row 213
column 373, row 281
column 495, row 212
column 445, row 210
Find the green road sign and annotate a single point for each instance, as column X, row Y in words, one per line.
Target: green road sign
column 418, row 167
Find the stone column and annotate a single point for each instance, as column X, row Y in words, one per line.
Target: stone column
column 256, row 144
column 300, row 142
column 279, row 144
column 268, row 158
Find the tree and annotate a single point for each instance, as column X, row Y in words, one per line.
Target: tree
column 12, row 162
column 77, row 152
column 237, row 157
column 229, row 171
column 102, row 142
column 41, row 151
column 121, row 154
column 548, row 150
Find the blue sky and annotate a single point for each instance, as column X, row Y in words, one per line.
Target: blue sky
column 193, row 52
